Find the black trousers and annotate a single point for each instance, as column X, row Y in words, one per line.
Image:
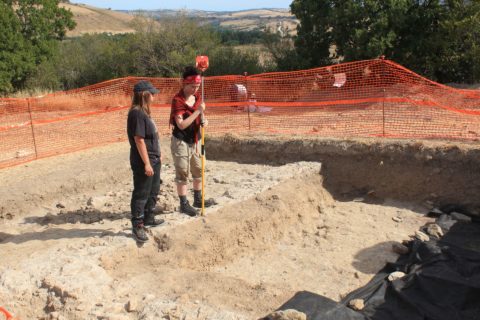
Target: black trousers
column 145, row 192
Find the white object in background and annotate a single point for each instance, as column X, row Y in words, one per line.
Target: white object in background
column 240, row 90
column 340, row 79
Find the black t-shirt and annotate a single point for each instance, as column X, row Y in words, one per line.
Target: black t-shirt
column 139, row 124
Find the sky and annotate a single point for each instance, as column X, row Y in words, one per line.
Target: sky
column 208, row 5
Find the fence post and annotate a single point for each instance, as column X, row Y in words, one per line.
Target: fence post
column 247, row 98
column 384, row 79
column 31, row 126
column 383, row 113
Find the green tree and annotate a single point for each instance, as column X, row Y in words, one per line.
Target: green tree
column 156, row 49
column 239, row 37
column 435, row 38
column 366, row 29
column 30, row 32
column 165, row 48
column 225, row 60
column 87, row 60
column 446, row 48
column 314, row 34
column 282, row 51
column 15, row 56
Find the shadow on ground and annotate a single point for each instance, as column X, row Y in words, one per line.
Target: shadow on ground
column 59, row 234
column 88, row 216
column 366, row 260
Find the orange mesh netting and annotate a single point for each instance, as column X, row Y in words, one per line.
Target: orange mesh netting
column 376, row 98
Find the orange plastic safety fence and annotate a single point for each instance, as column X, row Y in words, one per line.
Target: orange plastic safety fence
column 372, row 98
column 4, row 314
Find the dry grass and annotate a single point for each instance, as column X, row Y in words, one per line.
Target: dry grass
column 263, row 13
column 30, row 93
column 274, row 20
column 95, row 20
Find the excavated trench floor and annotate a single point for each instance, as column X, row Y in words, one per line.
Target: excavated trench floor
column 293, row 214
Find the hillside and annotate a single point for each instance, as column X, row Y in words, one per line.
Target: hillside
column 280, row 20
column 95, row 20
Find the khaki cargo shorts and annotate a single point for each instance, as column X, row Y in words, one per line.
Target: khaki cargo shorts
column 186, row 158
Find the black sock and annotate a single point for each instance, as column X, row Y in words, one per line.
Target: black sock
column 197, row 195
column 183, row 199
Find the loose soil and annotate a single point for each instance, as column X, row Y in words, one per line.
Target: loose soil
column 281, row 225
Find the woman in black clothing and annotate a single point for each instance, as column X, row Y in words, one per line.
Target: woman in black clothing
column 144, row 160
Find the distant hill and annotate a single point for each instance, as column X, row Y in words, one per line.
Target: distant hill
column 280, row 20
column 95, row 20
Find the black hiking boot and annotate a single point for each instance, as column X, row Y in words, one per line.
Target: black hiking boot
column 197, row 200
column 139, row 233
column 186, row 208
column 208, row 203
column 151, row 221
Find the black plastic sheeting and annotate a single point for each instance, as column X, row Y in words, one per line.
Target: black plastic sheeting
column 442, row 282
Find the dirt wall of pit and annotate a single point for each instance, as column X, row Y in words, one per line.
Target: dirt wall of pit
column 433, row 172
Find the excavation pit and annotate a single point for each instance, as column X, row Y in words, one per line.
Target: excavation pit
column 294, row 214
